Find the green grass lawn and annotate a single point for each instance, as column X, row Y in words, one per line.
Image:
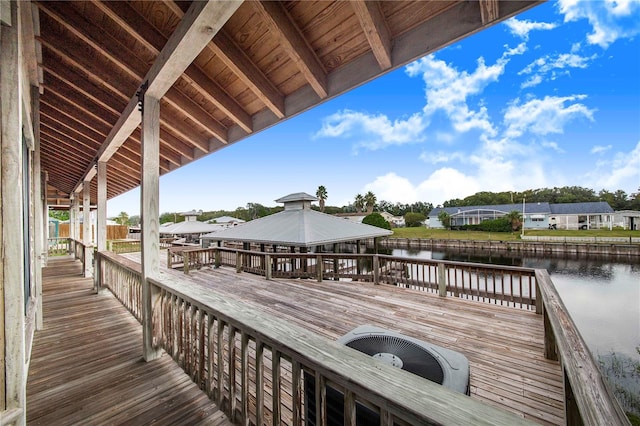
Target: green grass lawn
column 423, row 232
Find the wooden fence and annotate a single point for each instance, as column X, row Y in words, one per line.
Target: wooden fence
column 114, row 232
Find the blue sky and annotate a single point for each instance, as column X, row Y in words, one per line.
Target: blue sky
column 548, row 98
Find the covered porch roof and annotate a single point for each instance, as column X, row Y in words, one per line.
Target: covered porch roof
column 222, row 70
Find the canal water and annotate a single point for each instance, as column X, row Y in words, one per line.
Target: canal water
column 603, row 298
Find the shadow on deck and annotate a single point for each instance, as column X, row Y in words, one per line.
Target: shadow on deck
column 87, row 367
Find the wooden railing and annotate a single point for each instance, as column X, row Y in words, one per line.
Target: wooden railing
column 481, row 282
column 234, row 352
column 237, row 354
column 58, row 246
column 588, row 398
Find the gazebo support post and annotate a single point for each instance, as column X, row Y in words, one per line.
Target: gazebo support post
column 335, row 262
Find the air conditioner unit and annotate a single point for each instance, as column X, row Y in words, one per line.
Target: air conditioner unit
column 431, row 362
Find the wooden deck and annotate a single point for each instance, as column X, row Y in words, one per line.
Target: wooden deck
column 504, row 345
column 87, row 367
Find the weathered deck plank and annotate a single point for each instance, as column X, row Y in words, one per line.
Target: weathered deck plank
column 504, row 345
column 87, row 366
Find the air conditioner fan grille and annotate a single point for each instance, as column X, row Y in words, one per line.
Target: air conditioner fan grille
column 414, row 358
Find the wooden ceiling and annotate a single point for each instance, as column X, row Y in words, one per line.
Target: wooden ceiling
column 271, row 60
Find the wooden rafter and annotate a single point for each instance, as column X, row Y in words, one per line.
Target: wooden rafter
column 196, row 29
column 138, row 28
column 296, row 46
column 489, row 11
column 375, row 29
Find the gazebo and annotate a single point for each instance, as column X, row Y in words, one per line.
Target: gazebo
column 297, row 227
column 190, row 228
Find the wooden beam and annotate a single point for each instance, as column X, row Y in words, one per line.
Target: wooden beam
column 489, row 11
column 200, row 24
column 225, row 48
column 375, row 29
column 196, row 29
column 283, row 27
column 137, row 27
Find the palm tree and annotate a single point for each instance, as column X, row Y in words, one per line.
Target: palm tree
column 515, row 218
column 359, row 203
column 370, row 201
column 321, row 193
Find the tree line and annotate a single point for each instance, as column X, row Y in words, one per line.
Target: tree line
column 414, row 213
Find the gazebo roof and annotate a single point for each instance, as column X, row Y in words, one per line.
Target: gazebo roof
column 189, row 227
column 299, row 227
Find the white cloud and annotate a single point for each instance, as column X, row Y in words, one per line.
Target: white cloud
column 610, row 19
column 442, row 157
column 554, row 146
column 599, row 149
column 393, row 188
column 551, row 66
column 618, row 171
column 544, row 116
column 376, row 131
column 449, row 90
column 522, row 28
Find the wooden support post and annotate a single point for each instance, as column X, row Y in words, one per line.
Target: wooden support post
column 149, row 209
column 186, row 261
column 442, row 280
column 86, row 227
column 72, row 222
column 239, row 256
column 376, row 269
column 319, row 267
column 101, row 228
column 358, row 268
column 336, row 271
column 550, row 345
column 13, row 374
column 267, row 266
column 101, row 221
column 41, row 223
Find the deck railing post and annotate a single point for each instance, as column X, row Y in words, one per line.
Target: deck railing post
column 319, row 267
column 550, row 345
column 442, row 280
column 239, row 256
column 97, row 271
column 376, row 269
column 267, row 266
column 538, row 299
column 186, row 260
column 218, row 261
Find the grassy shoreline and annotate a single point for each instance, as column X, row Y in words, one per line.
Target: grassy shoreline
column 445, row 234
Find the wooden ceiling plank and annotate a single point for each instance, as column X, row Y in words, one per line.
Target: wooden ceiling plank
column 225, row 48
column 281, row 25
column 138, row 28
column 195, row 30
column 375, row 29
column 489, row 11
column 196, row 113
column 113, row 49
